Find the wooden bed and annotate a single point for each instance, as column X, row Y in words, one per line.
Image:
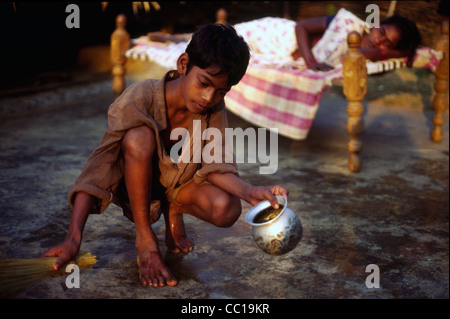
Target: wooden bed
column 354, row 74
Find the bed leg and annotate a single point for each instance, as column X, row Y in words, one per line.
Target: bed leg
column 441, row 86
column 120, row 42
column 221, row 16
column 355, row 88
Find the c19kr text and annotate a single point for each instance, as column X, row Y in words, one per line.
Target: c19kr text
column 229, row 308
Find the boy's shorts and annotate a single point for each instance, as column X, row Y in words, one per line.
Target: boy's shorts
column 172, row 194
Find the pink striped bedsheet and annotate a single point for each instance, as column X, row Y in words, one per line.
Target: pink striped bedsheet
column 279, row 98
column 273, row 97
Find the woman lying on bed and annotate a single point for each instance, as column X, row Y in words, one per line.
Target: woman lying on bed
column 396, row 37
column 320, row 43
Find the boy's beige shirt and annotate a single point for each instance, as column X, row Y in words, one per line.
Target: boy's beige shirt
column 143, row 103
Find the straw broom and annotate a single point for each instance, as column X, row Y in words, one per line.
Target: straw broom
column 16, row 274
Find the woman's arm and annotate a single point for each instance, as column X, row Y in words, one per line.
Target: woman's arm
column 305, row 31
column 164, row 37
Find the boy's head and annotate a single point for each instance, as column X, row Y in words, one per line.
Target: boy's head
column 217, row 45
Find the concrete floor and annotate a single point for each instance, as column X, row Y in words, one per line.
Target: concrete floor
column 393, row 214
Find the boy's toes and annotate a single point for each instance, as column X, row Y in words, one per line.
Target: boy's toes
column 170, row 280
column 185, row 244
column 173, row 248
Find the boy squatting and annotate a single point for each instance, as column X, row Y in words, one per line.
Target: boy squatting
column 132, row 169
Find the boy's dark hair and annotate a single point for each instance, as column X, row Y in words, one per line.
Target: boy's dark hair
column 220, row 46
column 410, row 37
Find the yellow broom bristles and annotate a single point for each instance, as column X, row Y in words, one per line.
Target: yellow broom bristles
column 16, row 274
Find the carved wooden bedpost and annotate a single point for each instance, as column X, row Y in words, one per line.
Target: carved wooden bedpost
column 221, row 16
column 120, row 42
column 441, row 86
column 355, row 88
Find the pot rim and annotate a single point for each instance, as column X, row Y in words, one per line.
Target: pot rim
column 262, row 205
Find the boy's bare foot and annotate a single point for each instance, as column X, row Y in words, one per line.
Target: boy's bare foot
column 153, row 271
column 176, row 238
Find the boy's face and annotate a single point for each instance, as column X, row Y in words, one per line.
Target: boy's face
column 202, row 89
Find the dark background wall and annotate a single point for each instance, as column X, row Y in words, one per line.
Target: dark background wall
column 35, row 38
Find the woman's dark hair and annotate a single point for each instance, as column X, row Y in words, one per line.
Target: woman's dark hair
column 220, row 46
column 410, row 37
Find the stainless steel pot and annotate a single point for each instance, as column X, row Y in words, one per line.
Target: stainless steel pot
column 279, row 235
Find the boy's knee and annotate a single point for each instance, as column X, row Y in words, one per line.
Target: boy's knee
column 227, row 208
column 139, row 142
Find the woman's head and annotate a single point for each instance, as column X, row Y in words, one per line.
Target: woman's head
column 409, row 33
column 395, row 32
column 217, row 45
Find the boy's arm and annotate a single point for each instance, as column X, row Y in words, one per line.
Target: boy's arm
column 68, row 249
column 232, row 184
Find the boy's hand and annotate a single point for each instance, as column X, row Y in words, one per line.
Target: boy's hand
column 252, row 194
column 259, row 193
column 66, row 251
